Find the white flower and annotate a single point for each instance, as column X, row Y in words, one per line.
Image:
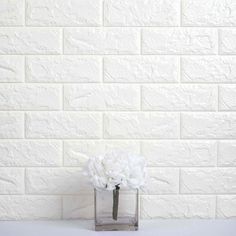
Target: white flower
column 117, row 169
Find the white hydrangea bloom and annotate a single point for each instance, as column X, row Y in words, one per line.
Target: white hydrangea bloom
column 117, row 168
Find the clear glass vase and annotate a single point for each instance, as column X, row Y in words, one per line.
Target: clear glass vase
column 116, row 210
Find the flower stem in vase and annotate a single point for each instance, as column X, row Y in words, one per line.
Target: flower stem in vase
column 115, row 202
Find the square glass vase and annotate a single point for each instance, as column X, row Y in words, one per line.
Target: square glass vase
column 116, row 210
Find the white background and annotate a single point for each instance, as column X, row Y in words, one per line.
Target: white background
column 81, row 77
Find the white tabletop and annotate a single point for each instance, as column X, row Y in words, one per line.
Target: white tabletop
column 152, row 227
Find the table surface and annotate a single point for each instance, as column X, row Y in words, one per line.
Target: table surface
column 149, row 227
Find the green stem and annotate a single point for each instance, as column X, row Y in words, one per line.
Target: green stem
column 115, row 202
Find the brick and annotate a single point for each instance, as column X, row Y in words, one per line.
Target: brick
column 61, row 13
column 30, row 97
column 141, row 125
column 64, row 69
column 208, row 180
column 227, row 41
column 57, row 181
column 208, row 69
column 11, row 125
column 208, row 125
column 11, row 69
column 179, row 98
column 63, row 125
column 227, row 153
column 179, row 153
column 141, row 69
column 208, row 13
column 77, row 153
column 101, row 41
column 179, row 41
column 101, row 97
column 30, row 207
column 141, row 13
column 226, row 207
column 177, row 206
column 12, row 13
column 30, row 41
column 78, row 207
column 30, row 153
column 162, row 181
column 227, row 98
column 11, row 181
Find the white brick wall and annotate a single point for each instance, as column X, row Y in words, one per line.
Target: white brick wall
column 82, row 77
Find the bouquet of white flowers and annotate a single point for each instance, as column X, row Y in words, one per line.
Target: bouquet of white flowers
column 114, row 170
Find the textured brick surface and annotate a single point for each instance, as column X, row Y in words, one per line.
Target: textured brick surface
column 77, row 153
column 162, row 181
column 101, row 97
column 220, row 180
column 12, row 13
column 227, row 153
column 179, row 98
column 208, row 13
column 11, row 69
column 62, row 125
column 143, row 125
column 179, row 41
column 61, row 13
column 227, row 41
column 11, row 180
column 30, row 41
column 30, row 207
column 141, row 13
column 11, row 125
column 78, row 207
column 80, row 78
column 179, row 153
column 30, row 153
column 101, row 41
column 209, row 125
column 177, row 206
column 64, row 69
column 226, row 206
column 141, row 69
column 56, row 181
column 208, row 69
column 227, row 97
column 30, row 97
